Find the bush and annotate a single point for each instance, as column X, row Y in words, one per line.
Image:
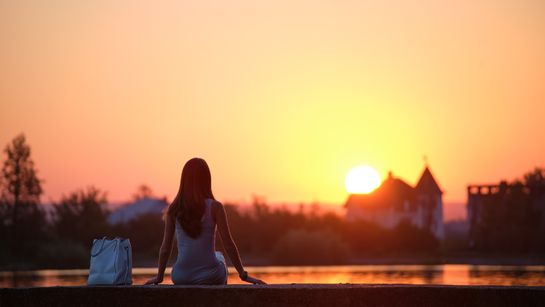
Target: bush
column 63, row 254
column 145, row 232
column 303, row 247
column 409, row 238
column 81, row 216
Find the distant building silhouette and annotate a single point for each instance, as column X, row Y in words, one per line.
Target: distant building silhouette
column 395, row 201
column 490, row 205
column 145, row 205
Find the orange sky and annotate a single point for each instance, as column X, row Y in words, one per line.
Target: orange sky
column 281, row 98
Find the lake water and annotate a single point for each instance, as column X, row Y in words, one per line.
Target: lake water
column 449, row 274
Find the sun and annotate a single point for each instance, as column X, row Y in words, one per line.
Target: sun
column 362, row 180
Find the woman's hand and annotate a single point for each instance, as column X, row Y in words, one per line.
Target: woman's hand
column 253, row 280
column 154, row 281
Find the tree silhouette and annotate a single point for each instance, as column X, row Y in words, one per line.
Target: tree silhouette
column 23, row 223
column 143, row 191
column 535, row 178
column 81, row 216
column 20, row 185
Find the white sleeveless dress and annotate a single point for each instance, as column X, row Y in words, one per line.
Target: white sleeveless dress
column 198, row 263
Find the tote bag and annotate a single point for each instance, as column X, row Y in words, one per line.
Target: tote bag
column 111, row 262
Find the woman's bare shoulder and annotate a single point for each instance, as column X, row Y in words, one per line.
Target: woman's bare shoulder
column 216, row 205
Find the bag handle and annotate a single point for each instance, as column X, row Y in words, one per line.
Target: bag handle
column 102, row 245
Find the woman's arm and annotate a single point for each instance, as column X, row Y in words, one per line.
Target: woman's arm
column 229, row 245
column 164, row 251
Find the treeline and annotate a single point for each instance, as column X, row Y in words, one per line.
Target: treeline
column 286, row 237
column 511, row 221
column 60, row 237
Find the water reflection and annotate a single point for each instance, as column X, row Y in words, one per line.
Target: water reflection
column 373, row 274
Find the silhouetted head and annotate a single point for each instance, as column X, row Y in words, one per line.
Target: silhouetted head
column 195, row 187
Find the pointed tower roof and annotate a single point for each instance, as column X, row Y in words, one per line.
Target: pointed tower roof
column 427, row 183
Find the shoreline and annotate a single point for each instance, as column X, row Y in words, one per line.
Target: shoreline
column 481, row 260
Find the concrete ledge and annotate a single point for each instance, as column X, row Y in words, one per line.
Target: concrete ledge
column 275, row 295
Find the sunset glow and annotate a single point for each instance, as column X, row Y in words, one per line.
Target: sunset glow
column 280, row 97
column 322, row 146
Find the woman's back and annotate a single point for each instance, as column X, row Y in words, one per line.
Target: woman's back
column 198, row 262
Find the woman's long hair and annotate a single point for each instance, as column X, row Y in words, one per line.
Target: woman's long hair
column 195, row 187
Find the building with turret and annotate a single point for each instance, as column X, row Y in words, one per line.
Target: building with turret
column 395, row 201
